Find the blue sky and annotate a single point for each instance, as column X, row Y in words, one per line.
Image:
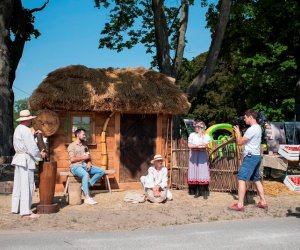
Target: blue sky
column 70, row 32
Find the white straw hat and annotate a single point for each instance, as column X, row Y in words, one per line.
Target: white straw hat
column 157, row 158
column 25, row 115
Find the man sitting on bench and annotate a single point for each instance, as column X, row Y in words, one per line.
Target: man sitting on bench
column 81, row 164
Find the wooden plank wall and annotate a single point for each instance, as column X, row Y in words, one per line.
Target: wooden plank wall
column 60, row 141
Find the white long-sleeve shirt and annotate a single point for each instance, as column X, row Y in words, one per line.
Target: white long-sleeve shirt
column 26, row 148
column 156, row 177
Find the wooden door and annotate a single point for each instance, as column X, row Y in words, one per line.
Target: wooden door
column 137, row 145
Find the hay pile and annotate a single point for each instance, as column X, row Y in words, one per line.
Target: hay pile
column 138, row 90
column 274, row 188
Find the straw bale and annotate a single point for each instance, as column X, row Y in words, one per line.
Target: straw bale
column 137, row 90
column 274, row 188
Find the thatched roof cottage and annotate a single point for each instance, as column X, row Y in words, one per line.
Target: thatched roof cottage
column 139, row 102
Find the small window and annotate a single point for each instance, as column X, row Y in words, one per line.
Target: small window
column 83, row 121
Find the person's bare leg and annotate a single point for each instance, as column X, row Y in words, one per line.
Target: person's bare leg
column 261, row 194
column 241, row 193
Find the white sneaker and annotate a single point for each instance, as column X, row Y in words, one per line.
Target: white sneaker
column 90, row 201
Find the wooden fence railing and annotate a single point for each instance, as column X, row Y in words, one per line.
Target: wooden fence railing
column 224, row 164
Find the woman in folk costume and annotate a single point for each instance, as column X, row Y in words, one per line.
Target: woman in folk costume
column 27, row 153
column 198, row 171
column 156, row 182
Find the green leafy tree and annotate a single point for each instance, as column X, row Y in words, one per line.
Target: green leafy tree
column 161, row 28
column 213, row 54
column 266, row 53
column 158, row 25
column 268, row 81
column 258, row 65
column 217, row 100
column 18, row 106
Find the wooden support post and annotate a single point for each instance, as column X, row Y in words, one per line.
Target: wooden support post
column 117, row 152
column 159, row 135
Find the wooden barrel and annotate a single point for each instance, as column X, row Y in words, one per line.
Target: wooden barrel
column 47, row 187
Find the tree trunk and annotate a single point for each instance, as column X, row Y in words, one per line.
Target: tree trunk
column 161, row 35
column 213, row 53
column 181, row 38
column 13, row 19
column 6, row 93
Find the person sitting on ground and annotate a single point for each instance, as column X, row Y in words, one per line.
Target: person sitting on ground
column 81, row 164
column 156, row 181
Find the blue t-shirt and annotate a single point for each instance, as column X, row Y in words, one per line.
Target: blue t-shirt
column 252, row 146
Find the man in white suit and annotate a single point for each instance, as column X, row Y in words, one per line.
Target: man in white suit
column 27, row 154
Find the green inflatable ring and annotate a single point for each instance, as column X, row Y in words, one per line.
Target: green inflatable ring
column 214, row 128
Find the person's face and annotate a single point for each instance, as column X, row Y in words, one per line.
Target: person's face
column 158, row 164
column 27, row 123
column 200, row 128
column 81, row 136
column 247, row 119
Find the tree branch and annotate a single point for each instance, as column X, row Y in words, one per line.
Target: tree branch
column 181, row 38
column 205, row 73
column 174, row 20
column 161, row 37
column 39, row 9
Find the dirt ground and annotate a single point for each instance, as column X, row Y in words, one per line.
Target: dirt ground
column 112, row 213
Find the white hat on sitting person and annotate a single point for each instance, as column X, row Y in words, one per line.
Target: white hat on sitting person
column 25, row 116
column 157, row 158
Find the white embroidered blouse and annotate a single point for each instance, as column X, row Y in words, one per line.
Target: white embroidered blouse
column 196, row 139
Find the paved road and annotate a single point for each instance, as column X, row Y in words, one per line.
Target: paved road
column 282, row 233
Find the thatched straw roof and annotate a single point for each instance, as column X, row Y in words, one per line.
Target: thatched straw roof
column 138, row 90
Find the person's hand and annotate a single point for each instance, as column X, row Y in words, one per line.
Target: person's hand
column 89, row 165
column 43, row 153
column 86, row 157
column 38, row 132
column 236, row 129
column 156, row 192
column 155, row 188
column 202, row 145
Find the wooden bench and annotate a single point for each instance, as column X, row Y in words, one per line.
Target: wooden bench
column 71, row 178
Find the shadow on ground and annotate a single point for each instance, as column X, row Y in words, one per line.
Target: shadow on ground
column 295, row 213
